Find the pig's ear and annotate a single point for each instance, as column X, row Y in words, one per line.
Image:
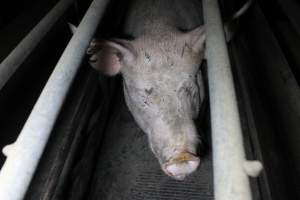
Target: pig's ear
column 109, row 57
column 196, row 38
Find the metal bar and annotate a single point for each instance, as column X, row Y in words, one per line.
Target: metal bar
column 23, row 156
column 231, row 169
column 11, row 63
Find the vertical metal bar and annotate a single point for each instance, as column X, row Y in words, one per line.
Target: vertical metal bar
column 231, row 169
column 23, row 156
column 11, row 63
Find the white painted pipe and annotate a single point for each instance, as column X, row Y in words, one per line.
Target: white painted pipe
column 23, row 156
column 12, row 62
column 231, row 169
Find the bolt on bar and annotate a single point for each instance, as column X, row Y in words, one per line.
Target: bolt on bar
column 231, row 169
column 11, row 63
column 23, row 156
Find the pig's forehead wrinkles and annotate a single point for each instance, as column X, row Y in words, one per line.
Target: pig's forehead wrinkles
column 160, row 80
column 151, row 60
column 159, row 45
column 154, row 87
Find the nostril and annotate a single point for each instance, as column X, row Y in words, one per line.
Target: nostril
column 179, row 169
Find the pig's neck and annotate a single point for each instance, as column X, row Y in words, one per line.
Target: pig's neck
column 156, row 18
column 156, row 28
column 151, row 23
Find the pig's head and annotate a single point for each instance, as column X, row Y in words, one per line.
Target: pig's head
column 160, row 76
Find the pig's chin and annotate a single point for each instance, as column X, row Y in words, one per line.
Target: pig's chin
column 181, row 165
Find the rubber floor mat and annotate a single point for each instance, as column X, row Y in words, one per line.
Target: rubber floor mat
column 127, row 169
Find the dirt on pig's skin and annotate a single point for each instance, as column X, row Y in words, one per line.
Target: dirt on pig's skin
column 161, row 77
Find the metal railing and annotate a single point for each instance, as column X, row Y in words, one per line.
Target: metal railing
column 23, row 156
column 17, row 56
column 230, row 167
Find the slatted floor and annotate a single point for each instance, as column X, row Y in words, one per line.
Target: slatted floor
column 127, row 169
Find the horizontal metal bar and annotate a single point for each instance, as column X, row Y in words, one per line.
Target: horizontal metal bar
column 23, row 156
column 231, row 169
column 12, row 62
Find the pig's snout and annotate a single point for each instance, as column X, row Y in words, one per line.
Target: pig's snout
column 181, row 165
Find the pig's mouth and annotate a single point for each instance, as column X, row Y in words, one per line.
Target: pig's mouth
column 180, row 166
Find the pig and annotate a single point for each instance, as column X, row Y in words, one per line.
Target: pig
column 162, row 80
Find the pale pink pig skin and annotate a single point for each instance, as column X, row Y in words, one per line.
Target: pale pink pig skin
column 161, row 77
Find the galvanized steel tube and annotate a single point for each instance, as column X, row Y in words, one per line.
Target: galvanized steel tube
column 231, row 169
column 11, row 63
column 23, row 156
